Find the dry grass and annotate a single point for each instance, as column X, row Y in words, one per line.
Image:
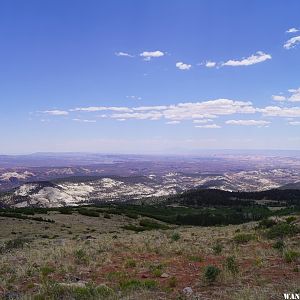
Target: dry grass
column 111, row 263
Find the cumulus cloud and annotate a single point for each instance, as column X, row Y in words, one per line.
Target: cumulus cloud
column 251, row 60
column 278, row 98
column 182, row 66
column 147, row 55
column 210, row 64
column 293, row 96
column 123, row 54
column 55, row 112
column 292, row 42
column 292, row 30
column 248, row 122
column 175, row 112
column 276, row 111
column 209, row 126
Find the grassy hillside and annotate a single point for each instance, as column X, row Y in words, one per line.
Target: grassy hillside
column 127, row 252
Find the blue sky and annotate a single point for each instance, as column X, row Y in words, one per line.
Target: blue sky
column 149, row 76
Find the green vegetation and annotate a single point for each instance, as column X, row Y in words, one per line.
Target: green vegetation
column 13, row 244
column 211, row 273
column 281, row 230
column 291, row 256
column 243, row 238
column 231, row 265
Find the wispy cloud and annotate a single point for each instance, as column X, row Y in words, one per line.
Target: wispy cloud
column 294, row 123
column 173, row 122
column 259, row 123
column 123, row 54
column 182, row 66
column 134, row 97
column 292, row 42
column 84, row 120
column 292, row 30
column 208, row 126
column 56, row 112
column 147, row 55
column 248, row 61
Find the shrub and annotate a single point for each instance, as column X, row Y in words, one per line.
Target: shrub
column 130, row 263
column 266, row 223
column 211, row 273
column 107, row 216
column 279, row 245
column 46, row 270
column 290, row 219
column 156, row 270
column 231, row 265
column 151, row 224
column 196, row 258
column 290, row 256
column 88, row 212
column 135, row 284
column 13, row 244
column 217, row 248
column 172, row 282
column 134, row 228
column 243, row 238
column 175, row 236
column 281, row 230
column 80, row 256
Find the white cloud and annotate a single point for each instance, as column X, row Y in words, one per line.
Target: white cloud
column 152, row 115
column 295, row 97
column 292, row 30
column 203, row 121
column 278, row 98
column 209, row 126
column 134, row 97
column 173, row 122
column 294, row 123
column 292, row 42
column 84, row 120
column 276, row 111
column 123, row 54
column 55, row 112
column 248, row 122
column 101, row 108
column 210, row 64
column 251, row 60
column 150, row 54
column 144, row 108
column 176, row 112
column 182, row 66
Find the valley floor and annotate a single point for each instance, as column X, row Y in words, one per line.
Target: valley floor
column 83, row 257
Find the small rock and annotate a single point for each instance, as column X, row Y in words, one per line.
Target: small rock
column 187, row 291
column 164, row 275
